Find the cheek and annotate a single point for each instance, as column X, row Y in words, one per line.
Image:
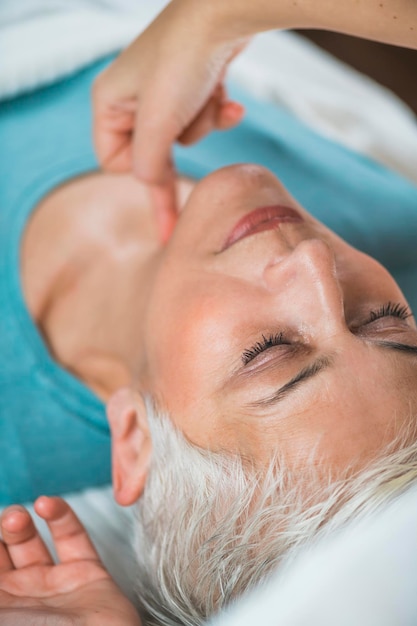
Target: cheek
column 356, row 422
column 339, row 427
column 371, row 280
column 184, row 355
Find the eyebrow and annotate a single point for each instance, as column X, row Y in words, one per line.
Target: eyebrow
column 319, row 365
column 303, row 375
column 395, row 345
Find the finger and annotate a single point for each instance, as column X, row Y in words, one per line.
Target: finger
column 164, row 111
column 163, row 198
column 70, row 538
column 152, row 145
column 113, row 133
column 206, row 120
column 5, row 560
column 203, row 124
column 215, row 116
column 24, row 543
column 230, row 115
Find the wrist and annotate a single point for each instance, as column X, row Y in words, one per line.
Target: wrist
column 237, row 19
column 213, row 20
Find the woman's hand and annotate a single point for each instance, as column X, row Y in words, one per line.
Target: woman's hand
column 34, row 590
column 166, row 86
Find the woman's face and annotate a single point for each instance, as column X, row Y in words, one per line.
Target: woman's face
column 272, row 334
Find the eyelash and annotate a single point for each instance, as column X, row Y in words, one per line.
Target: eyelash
column 390, row 309
column 260, row 346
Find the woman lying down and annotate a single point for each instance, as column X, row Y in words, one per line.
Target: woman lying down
column 259, row 370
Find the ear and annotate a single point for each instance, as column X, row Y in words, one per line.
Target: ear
column 131, row 445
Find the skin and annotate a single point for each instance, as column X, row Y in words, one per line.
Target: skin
column 34, row 590
column 159, row 90
column 106, row 258
column 207, row 307
column 176, row 320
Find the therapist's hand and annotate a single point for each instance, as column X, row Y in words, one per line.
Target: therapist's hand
column 166, row 86
column 33, row 590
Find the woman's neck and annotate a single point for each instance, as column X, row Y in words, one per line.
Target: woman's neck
column 89, row 255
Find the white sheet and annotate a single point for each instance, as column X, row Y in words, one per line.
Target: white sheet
column 365, row 576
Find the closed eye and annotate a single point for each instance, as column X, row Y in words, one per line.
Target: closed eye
column 389, row 309
column 267, row 342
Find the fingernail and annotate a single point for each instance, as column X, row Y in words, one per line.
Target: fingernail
column 11, row 516
column 14, row 508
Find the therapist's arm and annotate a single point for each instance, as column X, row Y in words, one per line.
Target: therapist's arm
column 387, row 21
column 167, row 85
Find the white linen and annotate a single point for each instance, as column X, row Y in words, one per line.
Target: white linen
column 331, row 97
column 364, row 576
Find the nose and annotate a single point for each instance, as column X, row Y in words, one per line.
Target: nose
column 306, row 290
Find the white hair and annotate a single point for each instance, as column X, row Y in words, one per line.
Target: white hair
column 208, row 527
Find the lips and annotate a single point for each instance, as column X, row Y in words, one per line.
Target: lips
column 263, row 218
